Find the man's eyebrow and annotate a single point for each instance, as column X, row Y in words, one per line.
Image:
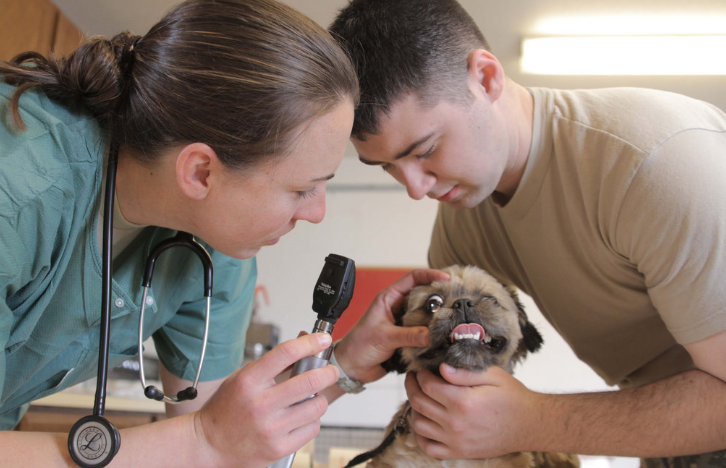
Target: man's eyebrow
column 403, row 153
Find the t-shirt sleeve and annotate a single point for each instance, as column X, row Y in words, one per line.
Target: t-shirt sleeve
column 672, row 226
column 179, row 342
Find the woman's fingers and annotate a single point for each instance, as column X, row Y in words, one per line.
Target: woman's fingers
column 282, row 356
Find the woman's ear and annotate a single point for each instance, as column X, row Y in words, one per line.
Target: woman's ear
column 194, row 165
column 486, row 75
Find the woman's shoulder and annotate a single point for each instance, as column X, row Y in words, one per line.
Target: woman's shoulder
column 62, row 148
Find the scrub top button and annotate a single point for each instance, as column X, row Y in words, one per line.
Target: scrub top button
column 119, row 302
column 149, row 300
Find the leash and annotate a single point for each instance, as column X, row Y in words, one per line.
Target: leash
column 400, row 428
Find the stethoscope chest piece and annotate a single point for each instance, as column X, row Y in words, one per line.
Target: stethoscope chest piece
column 93, row 441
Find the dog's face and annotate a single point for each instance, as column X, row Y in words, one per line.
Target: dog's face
column 474, row 322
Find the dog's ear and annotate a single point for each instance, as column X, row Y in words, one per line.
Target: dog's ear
column 395, row 363
column 531, row 339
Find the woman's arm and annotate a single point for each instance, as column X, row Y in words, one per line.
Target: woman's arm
column 173, row 385
column 248, row 422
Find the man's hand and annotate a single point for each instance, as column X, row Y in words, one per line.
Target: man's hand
column 482, row 415
column 375, row 337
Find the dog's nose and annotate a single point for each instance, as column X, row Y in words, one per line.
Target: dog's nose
column 462, row 304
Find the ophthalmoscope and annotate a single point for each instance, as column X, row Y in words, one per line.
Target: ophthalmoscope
column 331, row 296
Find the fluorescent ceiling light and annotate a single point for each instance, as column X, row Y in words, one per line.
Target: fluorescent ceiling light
column 630, row 24
column 625, row 55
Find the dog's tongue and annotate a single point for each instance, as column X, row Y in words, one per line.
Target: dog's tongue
column 468, row 329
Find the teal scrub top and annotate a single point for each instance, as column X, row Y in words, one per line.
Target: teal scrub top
column 50, row 269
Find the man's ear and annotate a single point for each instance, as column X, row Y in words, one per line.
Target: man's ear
column 486, row 74
column 194, row 164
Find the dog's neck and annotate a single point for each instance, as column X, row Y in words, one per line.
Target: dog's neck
column 401, row 427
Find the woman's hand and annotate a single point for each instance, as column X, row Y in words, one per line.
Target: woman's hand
column 250, row 420
column 375, row 337
column 469, row 414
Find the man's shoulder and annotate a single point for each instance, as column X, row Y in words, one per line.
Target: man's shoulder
column 640, row 117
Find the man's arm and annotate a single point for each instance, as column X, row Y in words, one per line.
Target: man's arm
column 490, row 414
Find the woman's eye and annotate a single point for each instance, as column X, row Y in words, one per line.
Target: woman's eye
column 307, row 193
column 434, row 303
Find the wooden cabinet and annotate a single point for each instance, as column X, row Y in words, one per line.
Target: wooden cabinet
column 35, row 25
column 47, row 419
column 60, row 411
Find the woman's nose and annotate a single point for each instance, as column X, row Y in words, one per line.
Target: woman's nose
column 313, row 210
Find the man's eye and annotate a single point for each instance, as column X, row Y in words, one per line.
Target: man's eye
column 427, row 154
column 434, row 303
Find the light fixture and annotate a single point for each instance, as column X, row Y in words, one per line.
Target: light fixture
column 627, row 44
column 625, row 55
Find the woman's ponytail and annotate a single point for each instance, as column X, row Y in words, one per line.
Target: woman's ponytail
column 96, row 75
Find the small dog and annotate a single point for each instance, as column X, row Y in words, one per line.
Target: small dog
column 474, row 322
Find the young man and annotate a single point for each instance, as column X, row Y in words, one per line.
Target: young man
column 608, row 207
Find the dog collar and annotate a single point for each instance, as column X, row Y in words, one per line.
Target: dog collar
column 345, row 382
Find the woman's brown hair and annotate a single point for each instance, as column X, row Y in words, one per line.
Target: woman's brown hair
column 239, row 75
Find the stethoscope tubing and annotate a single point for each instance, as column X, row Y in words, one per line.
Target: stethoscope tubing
column 99, row 402
column 175, row 398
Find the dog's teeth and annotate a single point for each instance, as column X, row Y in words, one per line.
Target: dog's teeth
column 487, row 339
column 466, row 336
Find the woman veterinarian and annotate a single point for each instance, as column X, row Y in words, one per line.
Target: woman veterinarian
column 226, row 120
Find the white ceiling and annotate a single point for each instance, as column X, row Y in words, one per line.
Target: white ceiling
column 503, row 22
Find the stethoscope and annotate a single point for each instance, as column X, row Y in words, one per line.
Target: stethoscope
column 94, row 441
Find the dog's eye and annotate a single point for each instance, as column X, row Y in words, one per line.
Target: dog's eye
column 492, row 299
column 433, row 303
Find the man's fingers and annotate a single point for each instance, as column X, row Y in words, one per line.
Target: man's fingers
column 410, row 336
column 467, row 378
column 433, row 448
column 394, row 294
column 420, row 401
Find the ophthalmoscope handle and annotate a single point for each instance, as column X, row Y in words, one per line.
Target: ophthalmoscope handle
column 331, row 296
column 305, row 364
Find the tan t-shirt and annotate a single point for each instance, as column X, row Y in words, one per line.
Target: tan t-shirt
column 617, row 229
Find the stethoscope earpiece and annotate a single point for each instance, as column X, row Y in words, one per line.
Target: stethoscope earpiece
column 153, row 393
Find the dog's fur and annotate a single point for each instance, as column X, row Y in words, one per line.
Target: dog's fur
column 472, row 297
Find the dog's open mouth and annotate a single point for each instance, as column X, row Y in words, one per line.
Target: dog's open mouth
column 476, row 333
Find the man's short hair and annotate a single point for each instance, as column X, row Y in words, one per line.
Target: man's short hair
column 401, row 47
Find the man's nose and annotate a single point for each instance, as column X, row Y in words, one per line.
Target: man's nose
column 418, row 183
